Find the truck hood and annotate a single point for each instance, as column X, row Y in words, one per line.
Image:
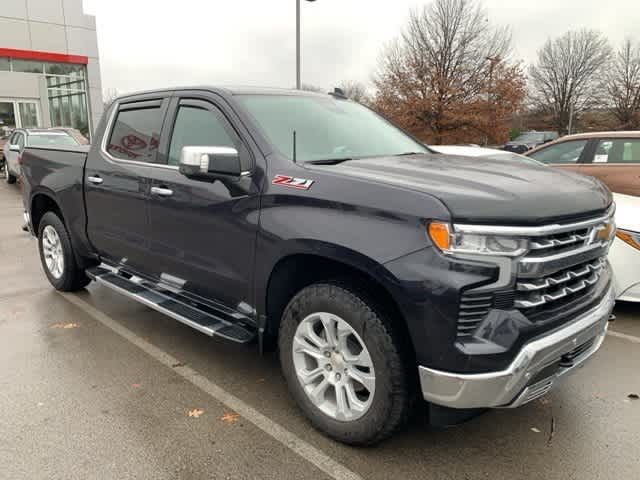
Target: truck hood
column 486, row 190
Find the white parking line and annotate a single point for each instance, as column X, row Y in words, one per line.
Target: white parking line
column 631, row 338
column 307, row 451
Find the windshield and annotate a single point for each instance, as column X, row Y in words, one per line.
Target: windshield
column 530, row 138
column 50, row 140
column 326, row 128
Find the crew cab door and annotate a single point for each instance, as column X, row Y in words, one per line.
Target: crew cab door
column 117, row 182
column 203, row 233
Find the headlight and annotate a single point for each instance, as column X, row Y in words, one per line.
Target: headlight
column 452, row 242
column 629, row 237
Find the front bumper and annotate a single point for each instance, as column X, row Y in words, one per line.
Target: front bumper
column 532, row 373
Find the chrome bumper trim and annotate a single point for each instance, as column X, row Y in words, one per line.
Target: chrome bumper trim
column 506, row 388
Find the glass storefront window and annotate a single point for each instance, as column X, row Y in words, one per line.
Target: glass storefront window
column 27, row 66
column 28, row 114
column 7, row 119
column 67, row 93
column 63, row 69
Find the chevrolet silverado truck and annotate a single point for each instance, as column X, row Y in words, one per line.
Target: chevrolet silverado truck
column 381, row 271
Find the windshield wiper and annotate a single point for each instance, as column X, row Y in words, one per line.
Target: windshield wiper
column 408, row 153
column 330, row 161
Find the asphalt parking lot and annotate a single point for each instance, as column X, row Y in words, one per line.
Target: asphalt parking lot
column 93, row 385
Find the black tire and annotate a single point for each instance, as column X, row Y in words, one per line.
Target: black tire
column 9, row 178
column 72, row 278
column 393, row 398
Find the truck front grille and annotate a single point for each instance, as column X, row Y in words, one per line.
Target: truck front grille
column 560, row 242
column 561, row 274
column 473, row 308
column 565, row 283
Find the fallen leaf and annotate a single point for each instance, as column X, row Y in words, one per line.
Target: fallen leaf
column 633, row 396
column 176, row 365
column 534, row 429
column 195, row 413
column 64, row 325
column 230, row 417
column 136, row 385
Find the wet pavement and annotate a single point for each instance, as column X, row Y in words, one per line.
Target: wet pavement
column 98, row 386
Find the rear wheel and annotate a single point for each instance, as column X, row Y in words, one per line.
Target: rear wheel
column 56, row 255
column 343, row 364
column 10, row 179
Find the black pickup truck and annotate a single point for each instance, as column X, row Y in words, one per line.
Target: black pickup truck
column 382, row 271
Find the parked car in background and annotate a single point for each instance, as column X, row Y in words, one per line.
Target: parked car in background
column 528, row 140
column 613, row 157
column 481, row 152
column 76, row 134
column 21, row 138
column 625, row 250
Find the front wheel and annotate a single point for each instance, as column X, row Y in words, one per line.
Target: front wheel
column 343, row 364
column 8, row 177
column 56, row 255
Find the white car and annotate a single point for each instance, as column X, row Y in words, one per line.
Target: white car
column 625, row 251
column 21, row 138
column 473, row 151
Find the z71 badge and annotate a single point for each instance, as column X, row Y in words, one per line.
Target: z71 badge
column 292, row 182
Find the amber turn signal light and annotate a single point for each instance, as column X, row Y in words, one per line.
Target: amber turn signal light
column 439, row 233
column 629, row 238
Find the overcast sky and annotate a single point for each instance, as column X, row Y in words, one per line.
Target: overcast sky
column 154, row 43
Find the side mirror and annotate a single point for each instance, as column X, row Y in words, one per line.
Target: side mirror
column 14, row 148
column 208, row 163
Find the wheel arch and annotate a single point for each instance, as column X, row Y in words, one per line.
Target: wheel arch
column 295, row 271
column 43, row 201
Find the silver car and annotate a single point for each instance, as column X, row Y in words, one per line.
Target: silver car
column 21, row 138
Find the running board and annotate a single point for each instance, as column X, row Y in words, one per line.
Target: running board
column 164, row 302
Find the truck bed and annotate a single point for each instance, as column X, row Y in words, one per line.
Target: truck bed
column 56, row 172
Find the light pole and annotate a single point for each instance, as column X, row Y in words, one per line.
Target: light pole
column 298, row 81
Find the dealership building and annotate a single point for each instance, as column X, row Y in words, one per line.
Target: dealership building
column 49, row 68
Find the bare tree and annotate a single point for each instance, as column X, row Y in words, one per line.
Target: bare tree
column 623, row 85
column 432, row 79
column 356, row 91
column 567, row 77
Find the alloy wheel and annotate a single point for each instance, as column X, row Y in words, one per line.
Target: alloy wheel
column 333, row 366
column 52, row 249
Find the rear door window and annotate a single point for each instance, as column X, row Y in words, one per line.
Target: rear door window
column 136, row 133
column 565, row 152
column 621, row 150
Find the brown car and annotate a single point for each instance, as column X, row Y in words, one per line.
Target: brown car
column 613, row 157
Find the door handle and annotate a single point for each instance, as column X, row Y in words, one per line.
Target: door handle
column 163, row 192
column 96, row 180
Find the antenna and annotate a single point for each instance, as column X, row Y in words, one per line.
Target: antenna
column 294, row 146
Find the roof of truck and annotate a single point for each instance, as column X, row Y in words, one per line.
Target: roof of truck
column 229, row 90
